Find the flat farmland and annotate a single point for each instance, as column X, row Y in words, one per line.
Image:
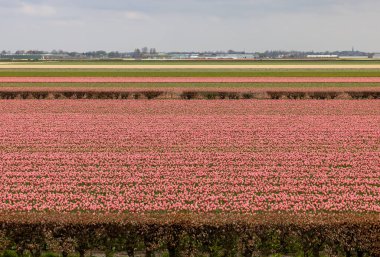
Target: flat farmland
column 189, row 80
column 196, row 72
column 199, row 85
column 197, row 156
column 171, row 81
column 194, row 64
column 129, row 156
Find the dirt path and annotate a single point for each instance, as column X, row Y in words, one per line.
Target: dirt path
column 189, row 80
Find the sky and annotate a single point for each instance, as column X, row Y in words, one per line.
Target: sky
column 190, row 25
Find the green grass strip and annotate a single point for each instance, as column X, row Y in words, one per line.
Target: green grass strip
column 187, row 73
column 192, row 85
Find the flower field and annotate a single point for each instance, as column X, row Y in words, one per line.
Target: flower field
column 190, row 178
column 198, row 156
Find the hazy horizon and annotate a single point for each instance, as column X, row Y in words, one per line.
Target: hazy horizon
column 191, row 25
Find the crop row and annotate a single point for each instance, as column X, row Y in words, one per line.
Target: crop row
column 197, row 156
column 189, row 79
column 195, row 71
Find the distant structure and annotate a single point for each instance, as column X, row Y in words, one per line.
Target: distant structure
column 24, row 56
column 212, row 56
column 152, row 54
column 353, row 57
column 322, row 56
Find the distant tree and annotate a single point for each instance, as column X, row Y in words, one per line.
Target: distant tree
column 34, row 52
column 114, row 55
column 153, row 51
column 73, row 54
column 144, row 50
column 136, row 54
column 100, row 54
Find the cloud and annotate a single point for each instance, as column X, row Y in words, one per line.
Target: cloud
column 253, row 25
column 134, row 15
column 214, row 19
column 37, row 10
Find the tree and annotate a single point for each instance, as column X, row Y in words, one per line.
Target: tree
column 153, row 51
column 144, row 50
column 136, row 54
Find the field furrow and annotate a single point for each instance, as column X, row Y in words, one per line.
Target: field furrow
column 198, row 156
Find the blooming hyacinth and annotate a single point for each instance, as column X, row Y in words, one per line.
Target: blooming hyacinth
column 198, row 156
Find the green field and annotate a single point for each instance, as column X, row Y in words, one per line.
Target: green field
column 189, row 73
column 191, row 85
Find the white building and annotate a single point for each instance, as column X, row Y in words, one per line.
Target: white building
column 353, row 57
column 322, row 56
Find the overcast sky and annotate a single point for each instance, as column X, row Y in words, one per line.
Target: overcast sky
column 190, row 25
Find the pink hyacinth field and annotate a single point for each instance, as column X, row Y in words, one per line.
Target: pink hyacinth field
column 304, row 156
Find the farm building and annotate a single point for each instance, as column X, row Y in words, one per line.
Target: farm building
column 350, row 57
column 322, row 56
column 216, row 56
column 21, row 56
column 236, row 56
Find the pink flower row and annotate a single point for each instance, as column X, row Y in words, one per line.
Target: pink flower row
column 189, row 79
column 196, row 156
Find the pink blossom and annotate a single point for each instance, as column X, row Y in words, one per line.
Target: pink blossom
column 199, row 156
column 189, row 79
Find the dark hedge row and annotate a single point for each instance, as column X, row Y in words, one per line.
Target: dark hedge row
column 196, row 94
column 200, row 237
column 182, row 240
column 282, row 95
